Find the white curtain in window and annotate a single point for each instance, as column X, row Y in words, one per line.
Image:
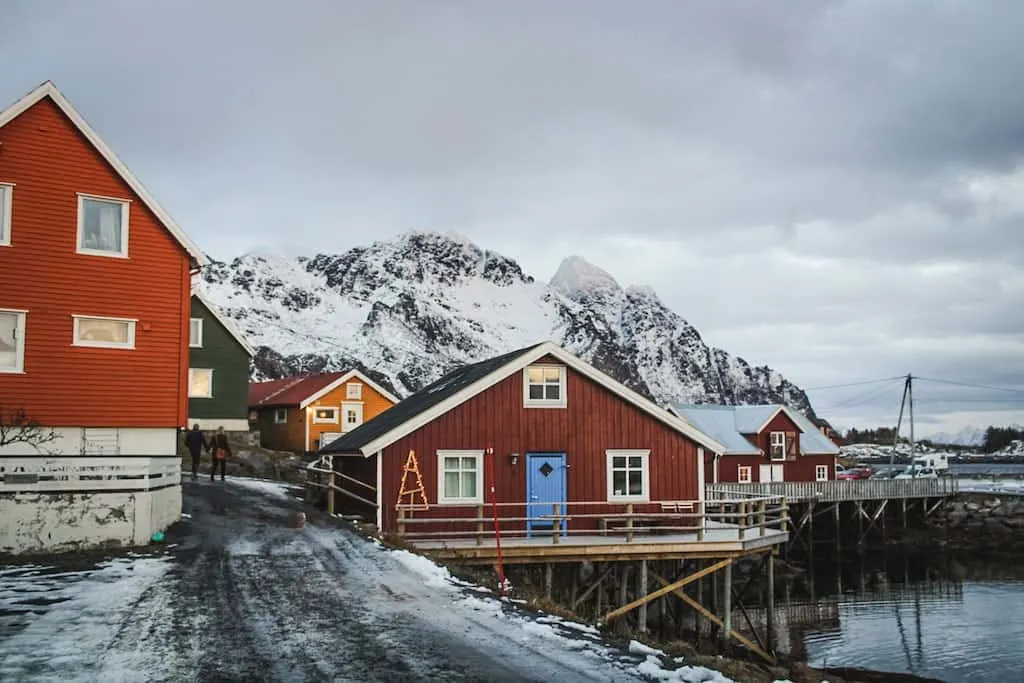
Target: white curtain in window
column 102, row 225
column 8, row 341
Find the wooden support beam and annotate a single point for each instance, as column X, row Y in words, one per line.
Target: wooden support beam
column 625, row 609
column 594, row 586
column 642, row 590
column 770, row 602
column 727, row 602
column 713, row 618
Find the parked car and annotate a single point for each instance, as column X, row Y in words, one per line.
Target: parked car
column 917, row 473
column 855, row 473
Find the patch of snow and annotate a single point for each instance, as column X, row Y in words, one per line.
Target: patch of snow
column 575, row 274
column 275, row 488
column 84, row 615
column 638, row 648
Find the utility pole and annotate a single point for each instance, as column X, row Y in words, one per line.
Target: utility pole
column 910, row 398
column 899, row 422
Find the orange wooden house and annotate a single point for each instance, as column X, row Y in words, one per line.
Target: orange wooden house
column 94, row 289
column 302, row 414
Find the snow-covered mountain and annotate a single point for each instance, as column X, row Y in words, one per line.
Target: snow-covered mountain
column 408, row 310
column 968, row 436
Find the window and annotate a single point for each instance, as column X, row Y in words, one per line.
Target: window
column 102, row 226
column 743, row 474
column 280, row 416
column 353, row 413
column 110, row 333
column 329, row 415
column 778, row 445
column 544, row 386
column 821, row 473
column 460, row 477
column 6, row 201
column 200, row 383
column 628, row 476
column 195, row 333
column 354, row 390
column 12, row 341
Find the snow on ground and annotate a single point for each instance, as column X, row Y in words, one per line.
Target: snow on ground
column 64, row 618
column 269, row 486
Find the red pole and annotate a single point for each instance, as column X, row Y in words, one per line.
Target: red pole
column 497, row 529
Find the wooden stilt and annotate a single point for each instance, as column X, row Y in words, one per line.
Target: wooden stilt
column 642, row 590
column 727, row 603
column 548, row 579
column 770, row 604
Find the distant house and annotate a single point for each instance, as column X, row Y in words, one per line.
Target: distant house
column 218, row 373
column 302, row 414
column 763, row 443
column 557, row 429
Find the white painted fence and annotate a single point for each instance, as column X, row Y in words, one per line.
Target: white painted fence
column 88, row 473
column 61, row 503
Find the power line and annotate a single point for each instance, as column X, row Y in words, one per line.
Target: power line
column 973, row 386
column 860, row 398
column 856, row 384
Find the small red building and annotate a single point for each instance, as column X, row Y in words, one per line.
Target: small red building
column 764, row 443
column 538, row 424
column 95, row 289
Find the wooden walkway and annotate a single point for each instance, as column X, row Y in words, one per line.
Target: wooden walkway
column 839, row 491
column 718, row 541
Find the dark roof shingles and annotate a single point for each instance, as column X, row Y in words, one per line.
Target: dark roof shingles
column 423, row 400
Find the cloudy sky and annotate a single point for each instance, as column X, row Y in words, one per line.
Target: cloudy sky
column 834, row 189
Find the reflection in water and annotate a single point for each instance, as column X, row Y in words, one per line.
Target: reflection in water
column 936, row 617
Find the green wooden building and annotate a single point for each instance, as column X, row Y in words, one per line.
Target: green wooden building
column 218, row 374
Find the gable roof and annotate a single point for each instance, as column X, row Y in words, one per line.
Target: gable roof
column 48, row 89
column 462, row 384
column 303, row 390
column 729, row 424
column 226, row 323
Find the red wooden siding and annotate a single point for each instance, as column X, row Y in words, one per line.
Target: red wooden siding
column 594, row 421
column 49, row 162
column 796, row 467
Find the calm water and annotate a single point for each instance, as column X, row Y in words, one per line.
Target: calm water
column 950, row 619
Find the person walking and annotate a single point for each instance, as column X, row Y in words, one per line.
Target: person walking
column 195, row 442
column 221, row 452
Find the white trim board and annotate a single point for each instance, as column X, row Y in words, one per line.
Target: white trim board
column 48, row 89
column 351, row 374
column 226, row 323
column 519, row 363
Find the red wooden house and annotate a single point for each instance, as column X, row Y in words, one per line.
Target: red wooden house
column 764, row 443
column 94, row 289
column 539, row 424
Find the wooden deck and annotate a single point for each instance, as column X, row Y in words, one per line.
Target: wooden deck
column 719, row 541
column 839, row 491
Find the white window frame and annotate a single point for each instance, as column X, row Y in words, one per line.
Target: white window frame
column 197, row 325
column 475, row 500
column 280, row 416
column 354, row 391
column 325, row 420
column 821, row 473
column 125, row 204
column 75, row 341
column 19, row 341
column 645, row 474
column 347, row 406
column 744, row 470
column 772, row 446
column 209, row 383
column 561, row 402
column 6, row 204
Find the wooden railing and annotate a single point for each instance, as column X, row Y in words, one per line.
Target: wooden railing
column 320, row 474
column 746, row 516
column 839, row 490
column 87, row 473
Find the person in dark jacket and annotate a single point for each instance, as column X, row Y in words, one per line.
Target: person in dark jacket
column 195, row 442
column 221, row 452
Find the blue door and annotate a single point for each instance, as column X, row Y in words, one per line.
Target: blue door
column 545, row 483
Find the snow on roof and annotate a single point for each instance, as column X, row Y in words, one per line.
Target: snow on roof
column 719, row 422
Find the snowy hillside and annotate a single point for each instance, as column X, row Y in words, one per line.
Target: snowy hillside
column 968, row 436
column 408, row 310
